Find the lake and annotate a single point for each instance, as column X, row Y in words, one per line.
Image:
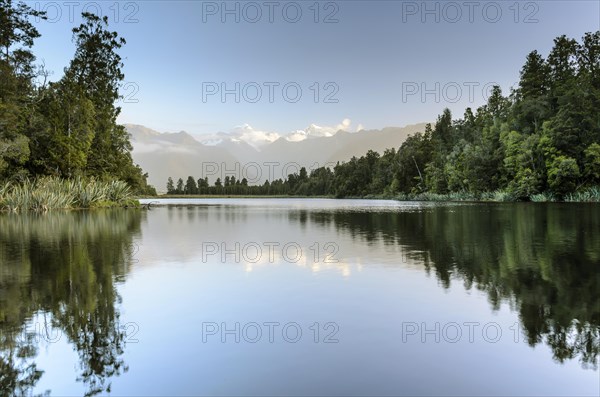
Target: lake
column 302, row 297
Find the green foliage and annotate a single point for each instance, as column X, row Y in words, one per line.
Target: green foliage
column 591, row 195
column 190, row 186
column 54, row 193
column 412, row 158
column 70, row 129
column 592, row 162
column 543, row 197
column 15, row 28
column 498, row 196
column 180, row 189
column 14, row 153
column 563, row 173
column 170, row 186
column 65, row 128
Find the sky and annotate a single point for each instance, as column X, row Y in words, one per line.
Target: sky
column 273, row 68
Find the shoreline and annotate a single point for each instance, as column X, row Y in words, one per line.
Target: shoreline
column 426, row 197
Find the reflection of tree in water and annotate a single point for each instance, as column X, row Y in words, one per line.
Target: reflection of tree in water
column 542, row 259
column 18, row 371
column 64, row 266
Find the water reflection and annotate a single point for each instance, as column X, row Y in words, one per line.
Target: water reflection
column 58, row 271
column 542, row 259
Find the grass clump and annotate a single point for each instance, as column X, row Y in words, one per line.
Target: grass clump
column 498, row 196
column 52, row 193
column 544, row 197
column 588, row 195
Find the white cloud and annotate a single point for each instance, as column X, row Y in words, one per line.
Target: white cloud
column 212, row 141
column 159, row 146
column 253, row 137
column 296, row 136
column 242, row 133
column 317, row 131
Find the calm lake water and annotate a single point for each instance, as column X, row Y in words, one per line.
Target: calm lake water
column 302, row 297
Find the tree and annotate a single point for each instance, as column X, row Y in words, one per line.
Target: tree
column 66, row 128
column 534, row 77
column 96, row 65
column 170, row 186
column 70, row 126
column 442, row 140
column 588, row 87
column 412, row 158
column 532, row 106
column 180, row 188
column 15, row 27
column 17, row 35
column 97, row 68
column 562, row 70
column 523, row 163
column 562, row 174
column 13, row 154
column 592, row 163
column 190, row 186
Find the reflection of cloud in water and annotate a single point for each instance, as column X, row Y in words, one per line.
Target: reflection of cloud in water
column 178, row 234
column 305, row 261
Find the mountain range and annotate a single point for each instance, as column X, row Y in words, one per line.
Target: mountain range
column 180, row 154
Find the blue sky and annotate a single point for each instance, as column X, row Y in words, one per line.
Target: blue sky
column 371, row 60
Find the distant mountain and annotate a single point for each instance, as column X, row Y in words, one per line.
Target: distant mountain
column 174, row 155
column 339, row 147
column 239, row 149
column 179, row 155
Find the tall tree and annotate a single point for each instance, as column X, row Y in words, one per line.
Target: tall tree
column 532, row 107
column 97, row 67
column 170, row 186
column 180, row 188
column 17, row 35
column 190, row 186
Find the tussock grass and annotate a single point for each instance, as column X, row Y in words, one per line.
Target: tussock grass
column 500, row 196
column 586, row 195
column 589, row 195
column 453, row 196
column 54, row 193
column 543, row 197
column 428, row 196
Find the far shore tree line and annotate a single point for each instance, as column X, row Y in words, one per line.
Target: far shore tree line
column 543, row 139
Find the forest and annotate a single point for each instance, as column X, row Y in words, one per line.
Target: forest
column 65, row 129
column 541, row 142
